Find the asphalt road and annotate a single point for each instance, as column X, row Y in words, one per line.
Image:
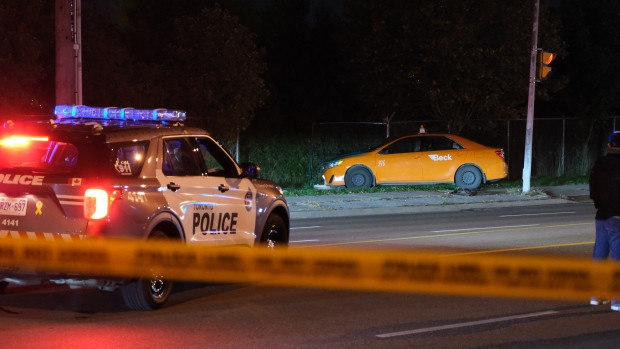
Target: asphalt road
column 565, row 229
column 242, row 316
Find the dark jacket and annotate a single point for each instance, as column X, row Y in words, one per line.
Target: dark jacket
column 605, row 186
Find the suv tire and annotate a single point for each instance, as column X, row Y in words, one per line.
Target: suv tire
column 148, row 294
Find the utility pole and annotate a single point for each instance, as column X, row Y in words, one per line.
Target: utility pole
column 68, row 22
column 529, row 128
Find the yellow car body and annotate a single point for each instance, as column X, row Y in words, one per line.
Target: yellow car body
column 419, row 159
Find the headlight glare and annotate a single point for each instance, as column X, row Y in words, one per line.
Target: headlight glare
column 330, row 164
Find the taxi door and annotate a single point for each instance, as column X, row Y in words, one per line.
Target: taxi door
column 441, row 158
column 399, row 162
column 204, row 188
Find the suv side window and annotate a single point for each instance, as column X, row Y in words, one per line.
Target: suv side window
column 216, row 161
column 179, row 158
column 127, row 158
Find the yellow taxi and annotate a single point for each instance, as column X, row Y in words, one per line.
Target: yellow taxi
column 419, row 159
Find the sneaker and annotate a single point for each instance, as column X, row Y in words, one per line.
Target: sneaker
column 599, row 301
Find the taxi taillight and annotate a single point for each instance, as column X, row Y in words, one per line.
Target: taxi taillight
column 97, row 203
column 500, row 153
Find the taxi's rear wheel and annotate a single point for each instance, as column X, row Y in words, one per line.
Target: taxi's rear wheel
column 358, row 177
column 275, row 233
column 468, row 177
column 148, row 293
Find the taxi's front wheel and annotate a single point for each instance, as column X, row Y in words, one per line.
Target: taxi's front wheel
column 358, row 177
column 148, row 293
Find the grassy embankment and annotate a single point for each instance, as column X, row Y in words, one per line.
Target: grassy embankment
column 517, row 185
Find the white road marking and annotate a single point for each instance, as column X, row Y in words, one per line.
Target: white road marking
column 486, row 228
column 535, row 214
column 298, row 241
column 308, row 227
column 466, row 324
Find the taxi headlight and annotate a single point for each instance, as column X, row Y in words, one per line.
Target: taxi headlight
column 330, row 164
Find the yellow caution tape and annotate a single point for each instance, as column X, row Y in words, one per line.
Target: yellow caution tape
column 515, row 276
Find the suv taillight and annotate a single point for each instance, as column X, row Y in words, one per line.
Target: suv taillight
column 96, row 203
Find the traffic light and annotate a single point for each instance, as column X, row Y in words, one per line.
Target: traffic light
column 543, row 60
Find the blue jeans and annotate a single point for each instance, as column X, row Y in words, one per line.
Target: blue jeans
column 607, row 241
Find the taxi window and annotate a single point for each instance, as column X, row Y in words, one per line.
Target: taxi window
column 126, row 159
column 216, row 161
column 405, row 145
column 179, row 159
column 439, row 143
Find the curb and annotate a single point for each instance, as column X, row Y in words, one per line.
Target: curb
column 421, row 208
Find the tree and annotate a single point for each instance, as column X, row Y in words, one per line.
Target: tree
column 592, row 94
column 221, row 68
column 26, row 57
column 157, row 54
column 450, row 60
column 593, row 38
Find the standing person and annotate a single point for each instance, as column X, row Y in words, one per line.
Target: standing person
column 605, row 192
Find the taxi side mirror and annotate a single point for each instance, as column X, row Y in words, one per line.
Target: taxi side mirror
column 249, row 169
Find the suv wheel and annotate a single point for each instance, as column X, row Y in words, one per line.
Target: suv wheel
column 275, row 232
column 151, row 293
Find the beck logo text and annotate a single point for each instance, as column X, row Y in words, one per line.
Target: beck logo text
column 436, row 157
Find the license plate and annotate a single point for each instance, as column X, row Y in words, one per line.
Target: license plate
column 13, row 206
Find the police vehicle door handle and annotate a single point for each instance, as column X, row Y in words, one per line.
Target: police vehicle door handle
column 173, row 186
column 223, row 188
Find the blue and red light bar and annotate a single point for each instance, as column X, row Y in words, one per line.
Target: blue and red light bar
column 112, row 113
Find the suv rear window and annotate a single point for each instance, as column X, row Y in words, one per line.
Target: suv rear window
column 77, row 159
column 40, row 156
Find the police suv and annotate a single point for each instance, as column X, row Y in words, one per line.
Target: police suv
column 123, row 172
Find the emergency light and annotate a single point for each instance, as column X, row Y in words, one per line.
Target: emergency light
column 112, row 113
